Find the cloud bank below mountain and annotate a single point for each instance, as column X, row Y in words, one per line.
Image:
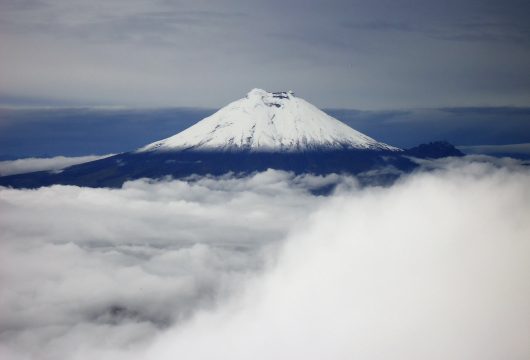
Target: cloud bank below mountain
column 434, row 267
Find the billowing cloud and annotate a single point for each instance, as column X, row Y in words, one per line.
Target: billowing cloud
column 434, row 267
column 82, row 265
column 20, row 166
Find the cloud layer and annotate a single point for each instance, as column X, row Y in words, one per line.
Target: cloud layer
column 338, row 53
column 435, row 267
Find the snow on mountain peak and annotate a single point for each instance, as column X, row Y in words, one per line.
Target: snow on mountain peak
column 269, row 97
column 268, row 121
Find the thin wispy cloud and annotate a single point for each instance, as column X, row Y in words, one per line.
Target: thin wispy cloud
column 26, row 165
column 472, row 31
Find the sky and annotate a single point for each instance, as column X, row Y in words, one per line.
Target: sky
column 368, row 55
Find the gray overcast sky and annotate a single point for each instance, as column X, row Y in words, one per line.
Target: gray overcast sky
column 353, row 54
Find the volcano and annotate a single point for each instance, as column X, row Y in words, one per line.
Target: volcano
column 268, row 122
column 264, row 130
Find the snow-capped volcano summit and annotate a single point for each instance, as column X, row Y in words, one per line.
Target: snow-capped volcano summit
column 264, row 130
column 268, row 122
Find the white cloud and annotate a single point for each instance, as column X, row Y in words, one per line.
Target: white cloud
column 21, row 166
column 434, row 267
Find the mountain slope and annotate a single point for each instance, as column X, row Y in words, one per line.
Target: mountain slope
column 262, row 131
column 270, row 122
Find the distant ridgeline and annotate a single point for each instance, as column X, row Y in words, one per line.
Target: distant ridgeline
column 262, row 131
